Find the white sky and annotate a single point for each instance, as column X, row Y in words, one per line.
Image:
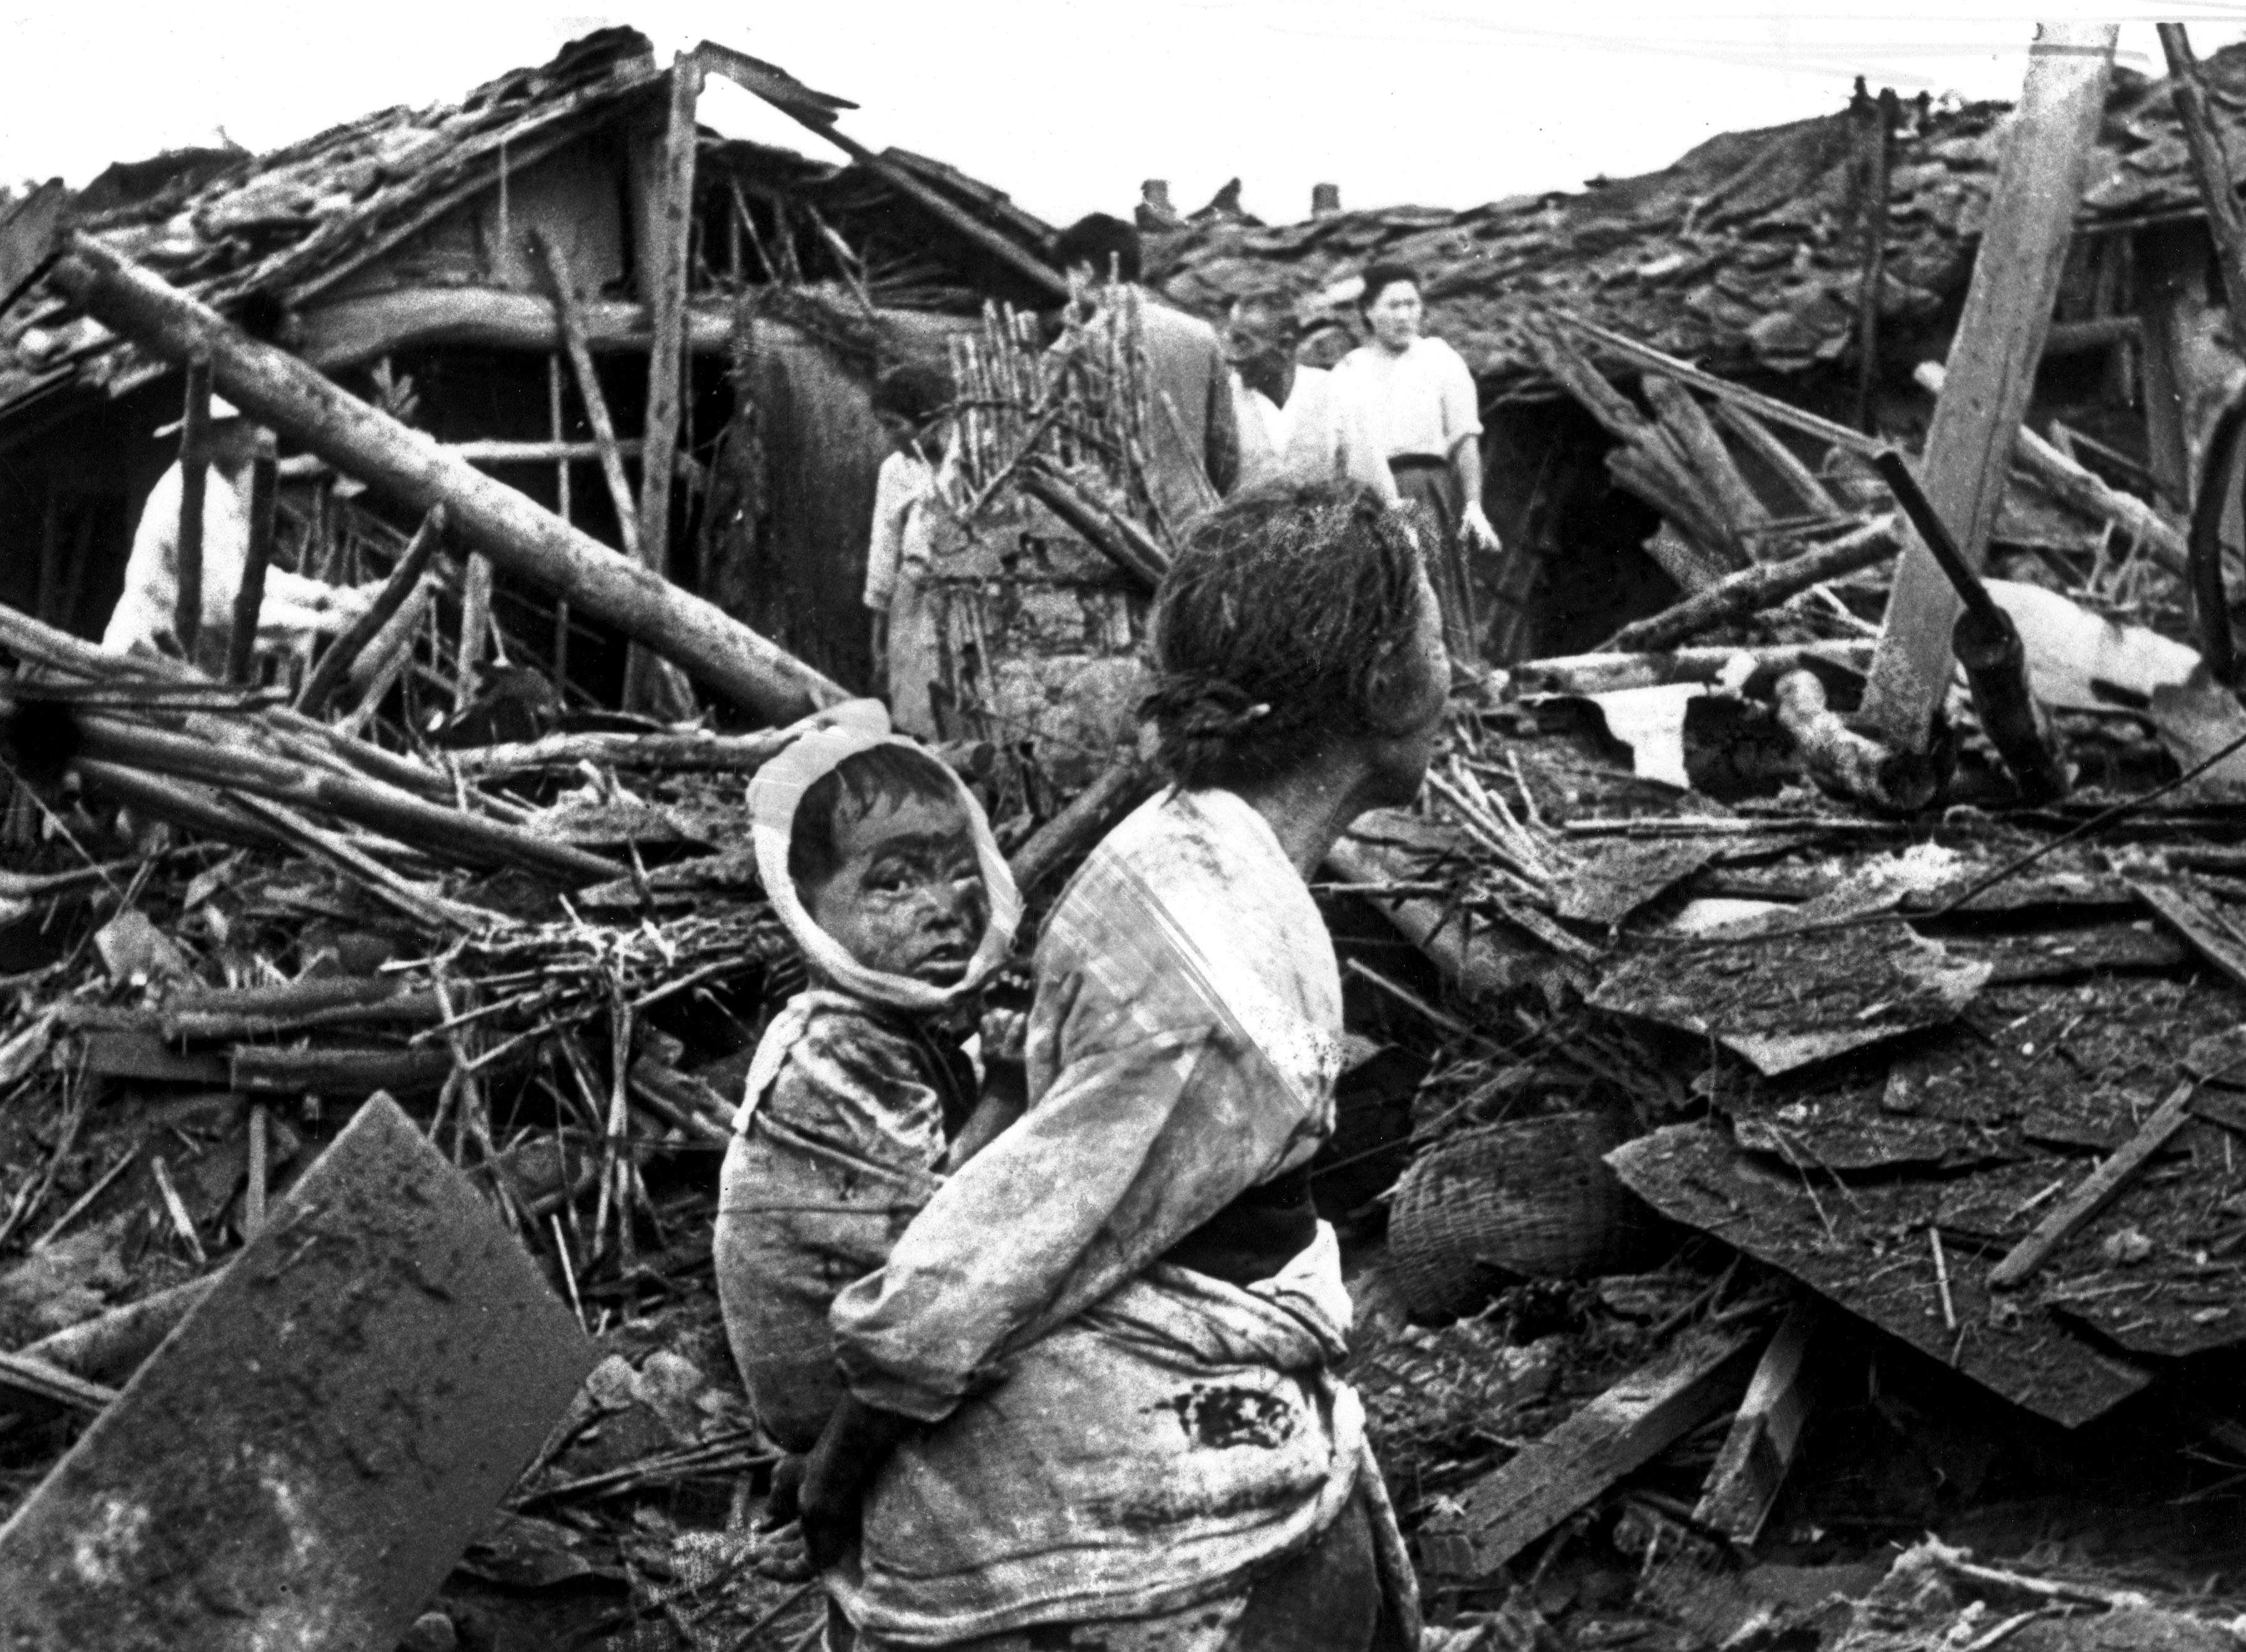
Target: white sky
column 1067, row 107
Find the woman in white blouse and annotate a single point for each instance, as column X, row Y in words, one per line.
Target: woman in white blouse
column 1414, row 402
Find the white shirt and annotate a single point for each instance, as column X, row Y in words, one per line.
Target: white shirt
column 148, row 606
column 1307, row 441
column 1419, row 404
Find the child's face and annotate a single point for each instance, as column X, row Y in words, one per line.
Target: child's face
column 907, row 898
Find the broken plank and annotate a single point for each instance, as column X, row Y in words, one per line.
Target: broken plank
column 1766, row 585
column 1617, row 1433
column 1689, row 426
column 1760, row 440
column 1751, row 1464
column 1999, row 342
column 307, row 1455
column 2069, row 1214
column 1604, row 672
column 2200, row 928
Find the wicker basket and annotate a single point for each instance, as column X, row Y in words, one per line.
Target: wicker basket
column 1532, row 1197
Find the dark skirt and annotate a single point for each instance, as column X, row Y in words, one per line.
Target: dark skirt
column 1432, row 486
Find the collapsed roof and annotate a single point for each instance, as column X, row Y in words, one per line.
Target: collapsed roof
column 277, row 231
column 1746, row 255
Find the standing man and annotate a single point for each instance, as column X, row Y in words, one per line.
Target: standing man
column 1291, row 430
column 1191, row 439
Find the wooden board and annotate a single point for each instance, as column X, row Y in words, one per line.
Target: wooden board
column 1620, row 1431
column 1992, row 364
column 302, row 1460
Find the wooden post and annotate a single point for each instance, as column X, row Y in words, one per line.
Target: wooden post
column 2210, row 164
column 194, row 477
column 344, row 651
column 506, row 524
column 563, row 508
column 666, row 245
column 250, row 598
column 1992, row 364
column 1881, row 116
column 570, row 316
column 2171, row 264
column 475, row 621
column 2226, row 225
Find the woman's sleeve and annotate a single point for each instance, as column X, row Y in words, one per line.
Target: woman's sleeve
column 1071, row 1202
column 893, row 497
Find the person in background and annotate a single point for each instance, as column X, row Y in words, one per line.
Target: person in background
column 1193, row 440
column 295, row 609
column 1416, row 400
column 911, row 400
column 1290, row 430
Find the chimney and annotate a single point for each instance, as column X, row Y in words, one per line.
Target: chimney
column 1154, row 194
column 1325, row 200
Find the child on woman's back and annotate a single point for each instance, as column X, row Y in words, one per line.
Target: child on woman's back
column 881, row 865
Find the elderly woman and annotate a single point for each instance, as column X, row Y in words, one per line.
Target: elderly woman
column 1091, row 1394
column 1414, row 401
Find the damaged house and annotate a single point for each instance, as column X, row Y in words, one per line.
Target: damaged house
column 412, row 254
column 1817, row 262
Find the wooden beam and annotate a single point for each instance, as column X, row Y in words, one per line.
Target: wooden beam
column 2079, row 489
column 569, row 320
column 1760, row 440
column 257, row 555
column 347, row 331
column 2171, row 265
column 1999, row 342
column 1764, row 586
column 1025, row 263
column 2210, row 166
column 668, row 245
column 1704, row 451
column 195, row 481
column 1617, row 1433
column 1751, row 1466
column 1882, row 115
column 2087, row 1200
column 298, row 402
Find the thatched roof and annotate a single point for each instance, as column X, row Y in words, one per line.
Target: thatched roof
column 1745, row 256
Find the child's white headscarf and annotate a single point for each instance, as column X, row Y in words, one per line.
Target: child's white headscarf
column 830, row 736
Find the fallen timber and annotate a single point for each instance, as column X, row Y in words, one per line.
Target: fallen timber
column 299, row 402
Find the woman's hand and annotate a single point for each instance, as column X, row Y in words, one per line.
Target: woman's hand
column 857, row 1440
column 1474, row 524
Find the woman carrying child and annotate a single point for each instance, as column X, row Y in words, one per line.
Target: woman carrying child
column 1092, row 1392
